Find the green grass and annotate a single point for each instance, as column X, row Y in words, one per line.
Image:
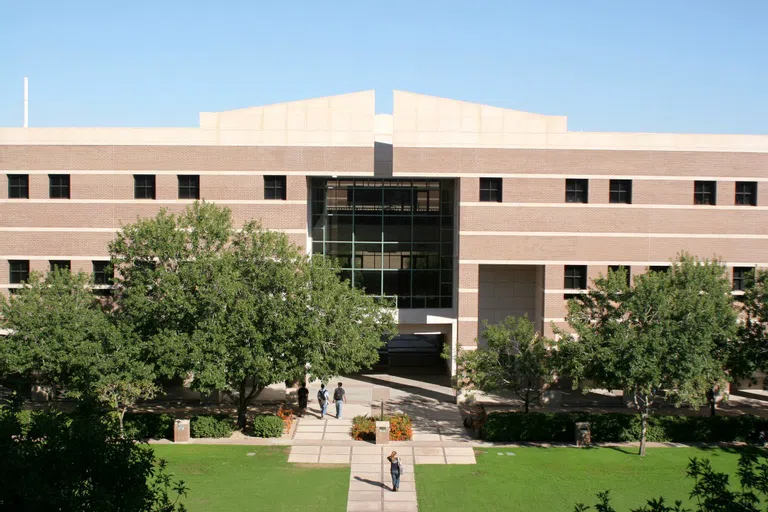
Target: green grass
column 555, row 479
column 225, row 478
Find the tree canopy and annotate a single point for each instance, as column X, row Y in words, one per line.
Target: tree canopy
column 239, row 309
column 658, row 339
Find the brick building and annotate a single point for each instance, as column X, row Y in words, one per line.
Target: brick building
column 459, row 211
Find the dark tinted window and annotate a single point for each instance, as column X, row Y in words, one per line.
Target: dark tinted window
column 705, row 192
column 144, row 186
column 746, row 193
column 621, row 191
column 490, row 190
column 742, row 276
column 189, row 187
column 60, row 264
column 274, row 187
column 18, row 186
column 58, row 186
column 19, row 271
column 575, row 277
column 101, row 273
column 576, row 191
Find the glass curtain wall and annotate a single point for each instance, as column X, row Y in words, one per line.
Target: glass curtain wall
column 393, row 238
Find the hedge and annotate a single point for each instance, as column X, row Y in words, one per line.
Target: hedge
column 617, row 427
column 218, row 426
column 267, row 425
column 149, row 425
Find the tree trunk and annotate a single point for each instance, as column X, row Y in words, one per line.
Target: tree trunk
column 121, row 416
column 712, row 401
column 244, row 400
column 643, row 430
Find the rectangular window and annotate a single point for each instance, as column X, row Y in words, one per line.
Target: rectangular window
column 621, row 191
column 576, row 191
column 60, row 264
column 19, row 271
column 18, row 186
column 705, row 192
column 490, row 190
column 144, row 186
column 100, row 273
column 575, row 277
column 746, row 193
column 274, row 187
column 58, row 186
column 189, row 187
column 616, row 268
column 742, row 277
column 658, row 268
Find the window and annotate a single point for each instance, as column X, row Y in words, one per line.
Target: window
column 144, row 186
column 616, row 268
column 742, row 277
column 19, row 271
column 576, row 191
column 746, row 193
column 18, row 186
column 705, row 192
column 490, row 190
column 58, row 186
column 274, row 187
column 60, row 264
column 621, row 191
column 575, row 277
column 189, row 187
column 658, row 268
column 100, row 273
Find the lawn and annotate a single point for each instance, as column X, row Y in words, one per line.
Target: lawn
column 226, row 478
column 554, row 479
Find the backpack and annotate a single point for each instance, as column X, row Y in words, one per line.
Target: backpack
column 321, row 396
column 338, row 394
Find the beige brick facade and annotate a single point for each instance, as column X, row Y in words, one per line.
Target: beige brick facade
column 510, row 255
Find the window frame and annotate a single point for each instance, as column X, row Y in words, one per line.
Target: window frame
column 144, row 187
column 59, row 190
column 700, row 193
column 740, row 283
column 100, row 276
column 18, row 275
column 191, row 188
column 18, row 190
column 615, row 194
column 60, row 264
column 577, row 190
column 750, row 195
column 275, row 187
column 491, row 190
column 580, row 275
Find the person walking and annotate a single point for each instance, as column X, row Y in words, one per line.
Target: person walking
column 339, row 396
column 322, row 399
column 303, row 394
column 395, row 469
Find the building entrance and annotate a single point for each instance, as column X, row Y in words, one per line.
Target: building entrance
column 412, row 353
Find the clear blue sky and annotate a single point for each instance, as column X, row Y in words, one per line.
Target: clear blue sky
column 653, row 65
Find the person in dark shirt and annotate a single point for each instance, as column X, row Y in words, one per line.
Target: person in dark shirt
column 303, row 394
column 339, row 396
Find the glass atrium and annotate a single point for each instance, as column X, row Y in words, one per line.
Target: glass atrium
column 394, row 238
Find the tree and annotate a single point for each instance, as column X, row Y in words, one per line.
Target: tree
column 59, row 336
column 515, row 358
column 655, row 340
column 711, row 490
column 79, row 462
column 749, row 352
column 239, row 309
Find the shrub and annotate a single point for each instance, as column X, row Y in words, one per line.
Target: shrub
column 617, row 427
column 400, row 428
column 219, row 426
column 267, row 425
column 363, row 428
column 149, row 425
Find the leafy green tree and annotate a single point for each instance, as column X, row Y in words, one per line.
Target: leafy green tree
column 514, row 358
column 657, row 339
column 749, row 352
column 711, row 490
column 79, row 462
column 239, row 309
column 59, row 336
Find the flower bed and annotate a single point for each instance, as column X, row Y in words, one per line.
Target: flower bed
column 286, row 414
column 364, row 427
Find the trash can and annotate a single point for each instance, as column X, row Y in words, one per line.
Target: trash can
column 382, row 432
column 181, row 431
column 583, row 434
